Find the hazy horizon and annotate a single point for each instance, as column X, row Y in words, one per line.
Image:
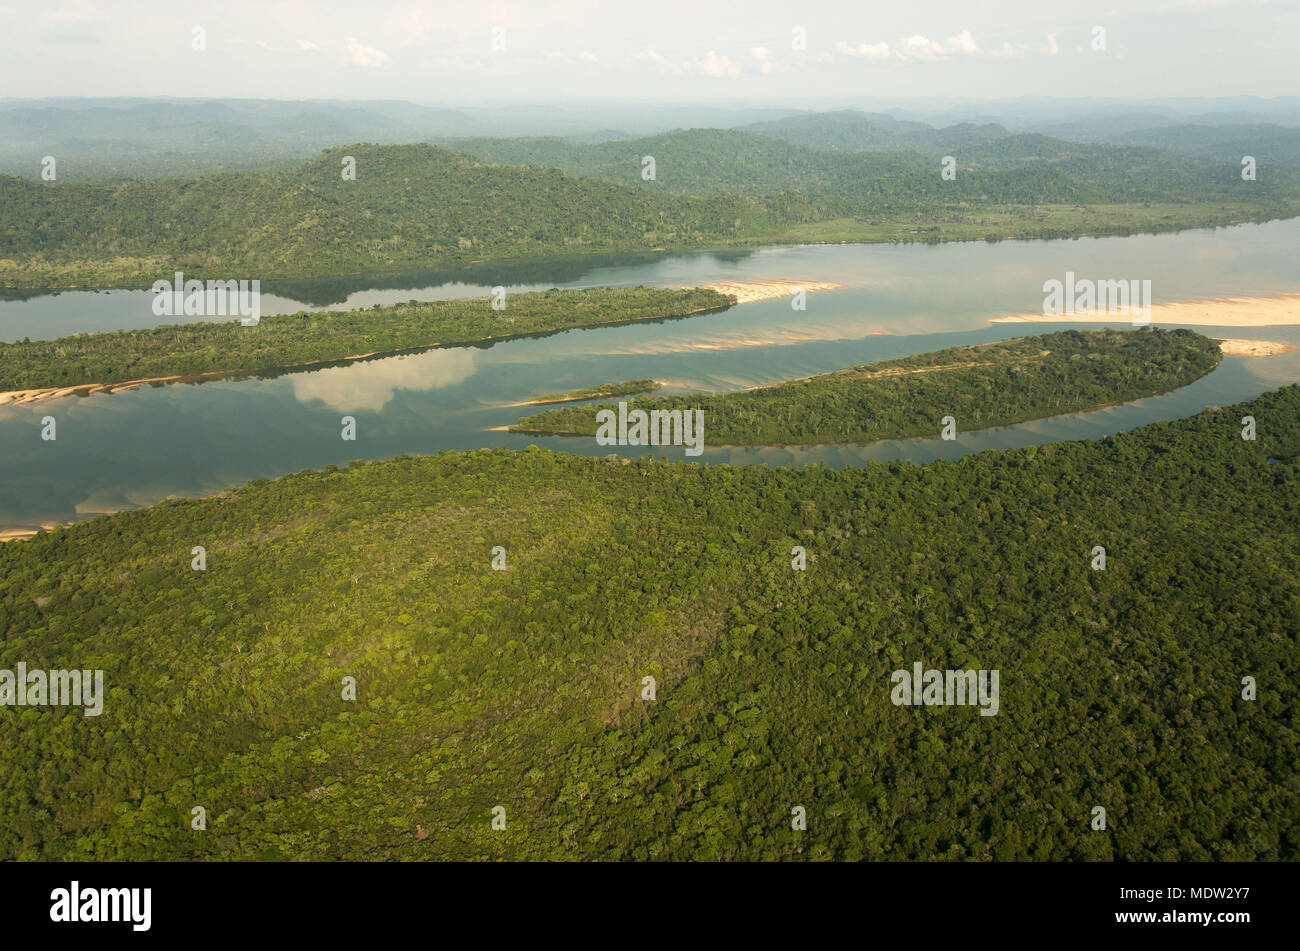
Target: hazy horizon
column 576, row 50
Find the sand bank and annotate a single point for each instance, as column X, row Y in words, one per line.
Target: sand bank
column 10, row 534
column 659, row 384
column 19, row 397
column 747, row 292
column 1280, row 311
column 1236, row 347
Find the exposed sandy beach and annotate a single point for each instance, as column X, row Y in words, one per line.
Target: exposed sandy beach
column 19, row 397
column 10, row 534
column 1236, row 347
column 1280, row 311
column 575, row 399
column 747, row 292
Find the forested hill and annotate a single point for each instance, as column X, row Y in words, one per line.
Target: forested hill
column 409, row 204
column 424, row 206
column 523, row 688
column 1103, row 139
column 993, row 164
column 992, row 384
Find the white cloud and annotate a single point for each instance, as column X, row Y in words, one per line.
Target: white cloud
column 923, row 49
column 766, row 65
column 1052, row 48
column 367, row 57
column 307, row 45
column 718, row 66
column 920, row 48
column 963, row 42
column 869, row 50
column 712, row 64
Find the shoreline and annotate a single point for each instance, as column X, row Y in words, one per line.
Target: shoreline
column 659, row 384
column 38, row 394
column 841, row 445
column 1239, row 347
column 793, row 236
column 19, row 534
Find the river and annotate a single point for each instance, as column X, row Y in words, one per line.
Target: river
column 123, row 450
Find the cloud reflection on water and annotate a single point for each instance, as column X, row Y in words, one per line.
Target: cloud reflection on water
column 370, row 385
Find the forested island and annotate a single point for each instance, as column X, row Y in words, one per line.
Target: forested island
column 427, row 206
column 519, row 692
column 306, row 338
column 992, row 384
column 600, row 390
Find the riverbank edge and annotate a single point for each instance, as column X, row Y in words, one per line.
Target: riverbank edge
column 852, row 442
column 26, row 397
column 793, row 237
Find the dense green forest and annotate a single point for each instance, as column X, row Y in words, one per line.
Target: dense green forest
column 992, row 384
column 994, row 166
column 425, row 206
column 409, row 205
column 626, row 388
column 522, row 688
column 1101, row 140
column 311, row 337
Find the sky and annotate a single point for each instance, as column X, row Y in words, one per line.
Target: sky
column 751, row 51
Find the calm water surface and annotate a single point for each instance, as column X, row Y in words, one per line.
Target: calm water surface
column 129, row 449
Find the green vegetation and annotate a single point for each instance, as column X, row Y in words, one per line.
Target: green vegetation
column 1008, row 222
column 521, row 688
column 423, row 206
column 992, row 384
column 322, row 337
column 992, row 145
column 410, row 205
column 994, row 166
column 625, row 388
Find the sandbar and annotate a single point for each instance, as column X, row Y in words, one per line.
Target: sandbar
column 1282, row 310
column 746, row 292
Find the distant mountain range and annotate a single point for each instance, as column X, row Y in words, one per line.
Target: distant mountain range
column 106, row 139
column 980, row 143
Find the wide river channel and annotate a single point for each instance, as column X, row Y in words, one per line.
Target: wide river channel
column 118, row 451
